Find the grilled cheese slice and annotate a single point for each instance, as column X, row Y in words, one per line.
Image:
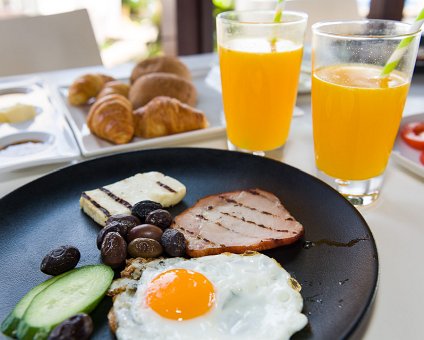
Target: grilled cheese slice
column 119, row 197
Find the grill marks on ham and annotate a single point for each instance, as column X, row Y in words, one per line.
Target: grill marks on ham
column 237, row 221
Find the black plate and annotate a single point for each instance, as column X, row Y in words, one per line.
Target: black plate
column 338, row 272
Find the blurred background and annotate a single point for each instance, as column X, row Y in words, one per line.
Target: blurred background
column 130, row 30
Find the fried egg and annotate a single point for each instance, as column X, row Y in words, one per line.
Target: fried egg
column 226, row 296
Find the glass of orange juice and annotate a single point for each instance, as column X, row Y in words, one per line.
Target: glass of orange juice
column 356, row 111
column 260, row 67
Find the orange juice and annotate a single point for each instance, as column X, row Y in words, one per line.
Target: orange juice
column 356, row 116
column 259, row 86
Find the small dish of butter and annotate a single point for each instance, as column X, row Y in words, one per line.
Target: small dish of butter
column 33, row 130
column 17, row 113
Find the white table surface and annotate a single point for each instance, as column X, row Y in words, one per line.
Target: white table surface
column 396, row 219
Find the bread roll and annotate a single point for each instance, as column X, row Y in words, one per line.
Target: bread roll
column 163, row 64
column 153, row 85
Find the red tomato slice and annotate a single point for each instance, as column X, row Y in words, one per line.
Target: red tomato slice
column 422, row 158
column 413, row 135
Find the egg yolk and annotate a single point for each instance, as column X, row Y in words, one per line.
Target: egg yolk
column 180, row 294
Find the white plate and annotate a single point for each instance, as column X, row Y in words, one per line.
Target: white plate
column 403, row 153
column 209, row 101
column 48, row 137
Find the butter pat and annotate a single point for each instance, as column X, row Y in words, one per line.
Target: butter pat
column 17, row 113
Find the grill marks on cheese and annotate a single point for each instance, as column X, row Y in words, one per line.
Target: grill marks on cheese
column 119, row 197
column 116, row 198
column 236, row 222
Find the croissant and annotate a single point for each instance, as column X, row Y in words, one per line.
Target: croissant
column 166, row 64
column 86, row 87
column 105, row 78
column 165, row 116
column 114, row 87
column 111, row 118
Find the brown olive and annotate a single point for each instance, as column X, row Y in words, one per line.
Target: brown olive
column 112, row 226
column 77, row 327
column 174, row 243
column 145, row 231
column 129, row 221
column 161, row 218
column 144, row 247
column 114, row 250
column 143, row 208
column 60, row 260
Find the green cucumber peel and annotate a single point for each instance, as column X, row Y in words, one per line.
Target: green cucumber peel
column 78, row 292
column 9, row 325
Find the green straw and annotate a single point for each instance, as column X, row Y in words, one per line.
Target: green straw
column 277, row 18
column 279, row 11
column 402, row 47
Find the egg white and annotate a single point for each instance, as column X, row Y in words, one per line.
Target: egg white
column 253, row 300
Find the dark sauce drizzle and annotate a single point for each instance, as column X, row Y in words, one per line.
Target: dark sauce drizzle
column 351, row 243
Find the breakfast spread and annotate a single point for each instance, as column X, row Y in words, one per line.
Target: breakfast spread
column 159, row 101
column 220, row 292
column 237, row 221
column 226, row 296
column 154, row 292
column 164, row 116
column 17, row 113
column 119, row 197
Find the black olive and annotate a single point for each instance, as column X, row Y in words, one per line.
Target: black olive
column 161, row 218
column 174, row 243
column 60, row 260
column 77, row 327
column 115, row 226
column 144, row 247
column 145, row 231
column 129, row 221
column 114, row 250
column 143, row 208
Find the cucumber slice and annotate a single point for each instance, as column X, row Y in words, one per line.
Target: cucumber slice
column 78, row 292
column 8, row 326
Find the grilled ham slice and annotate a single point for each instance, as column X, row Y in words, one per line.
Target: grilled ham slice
column 235, row 222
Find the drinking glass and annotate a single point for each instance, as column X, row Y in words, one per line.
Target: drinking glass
column 356, row 111
column 260, row 66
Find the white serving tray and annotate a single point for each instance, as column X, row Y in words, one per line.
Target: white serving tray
column 405, row 155
column 209, row 101
column 55, row 141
